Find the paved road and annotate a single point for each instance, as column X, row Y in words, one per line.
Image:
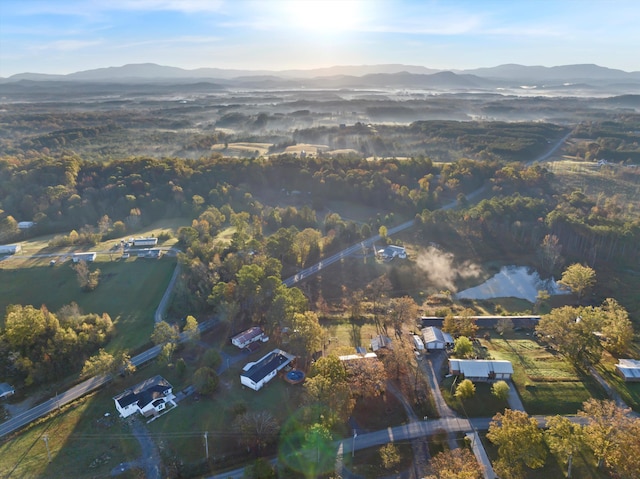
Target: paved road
column 310, row 271
column 81, row 389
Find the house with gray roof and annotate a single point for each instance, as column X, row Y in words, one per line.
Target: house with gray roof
column 256, row 374
column 148, row 398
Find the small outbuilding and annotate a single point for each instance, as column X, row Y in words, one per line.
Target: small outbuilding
column 25, row 225
column 380, row 341
column 481, row 369
column 629, row 369
column 6, row 390
column 10, row 248
column 434, row 338
column 256, row 374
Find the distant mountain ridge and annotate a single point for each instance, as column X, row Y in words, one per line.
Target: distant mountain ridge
column 151, row 71
column 509, row 77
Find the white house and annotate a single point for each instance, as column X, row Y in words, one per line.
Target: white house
column 89, row 257
column 6, row 390
column 434, row 338
column 392, row 251
column 25, row 225
column 249, row 336
column 10, row 248
column 154, row 253
column 481, row 369
column 144, row 241
column 629, row 369
column 149, row 398
column 257, row 374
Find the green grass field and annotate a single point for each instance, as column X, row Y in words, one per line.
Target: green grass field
column 483, row 404
column 546, row 381
column 129, row 291
column 630, row 392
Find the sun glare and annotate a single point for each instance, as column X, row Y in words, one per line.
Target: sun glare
column 329, row 16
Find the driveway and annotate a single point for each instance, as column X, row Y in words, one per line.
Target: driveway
column 150, row 461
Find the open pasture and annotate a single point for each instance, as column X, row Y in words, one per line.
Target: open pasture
column 546, row 381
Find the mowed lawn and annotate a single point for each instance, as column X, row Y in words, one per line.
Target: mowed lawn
column 546, row 381
column 129, row 291
column 83, row 443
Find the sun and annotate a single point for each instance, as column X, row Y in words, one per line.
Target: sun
column 329, row 16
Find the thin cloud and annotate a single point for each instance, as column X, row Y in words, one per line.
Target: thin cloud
column 67, row 45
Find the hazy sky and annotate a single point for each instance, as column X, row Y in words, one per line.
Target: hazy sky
column 63, row 36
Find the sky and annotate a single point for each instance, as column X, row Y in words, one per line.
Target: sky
column 65, row 36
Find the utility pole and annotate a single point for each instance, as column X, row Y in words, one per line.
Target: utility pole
column 353, row 444
column 57, row 401
column 206, row 444
column 45, row 438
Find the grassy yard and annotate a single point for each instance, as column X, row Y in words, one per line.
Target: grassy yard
column 584, row 465
column 82, row 441
column 546, row 381
column 367, row 462
column 630, row 392
column 129, row 291
column 483, row 404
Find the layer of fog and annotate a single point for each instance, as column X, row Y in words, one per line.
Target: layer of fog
column 442, row 270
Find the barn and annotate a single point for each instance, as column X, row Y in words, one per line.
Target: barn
column 481, row 369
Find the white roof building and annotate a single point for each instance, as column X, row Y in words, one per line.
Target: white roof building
column 392, row 251
column 434, row 338
column 6, row 390
column 629, row 369
column 249, row 336
column 481, row 369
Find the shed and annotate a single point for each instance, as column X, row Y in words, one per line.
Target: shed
column 379, row 342
column 629, row 369
column 6, row 390
column 25, row 225
column 10, row 248
column 434, row 338
column 481, row 369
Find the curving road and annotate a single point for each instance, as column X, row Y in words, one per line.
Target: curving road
column 310, row 271
column 81, row 389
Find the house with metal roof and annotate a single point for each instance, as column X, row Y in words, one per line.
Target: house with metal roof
column 6, row 390
column 249, row 336
column 149, row 398
column 481, row 369
column 629, row 369
column 392, row 251
column 434, row 338
column 256, row 374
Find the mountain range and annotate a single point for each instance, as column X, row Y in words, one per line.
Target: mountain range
column 354, row 76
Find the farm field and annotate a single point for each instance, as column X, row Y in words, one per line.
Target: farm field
column 129, row 291
column 598, row 181
column 546, row 382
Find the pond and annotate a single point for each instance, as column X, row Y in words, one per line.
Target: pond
column 513, row 282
